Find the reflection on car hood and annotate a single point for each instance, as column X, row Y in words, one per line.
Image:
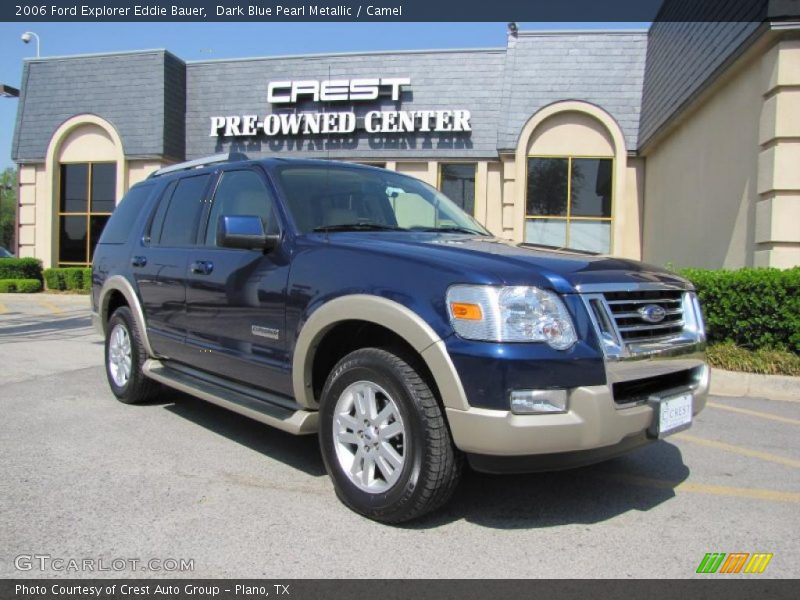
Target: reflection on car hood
column 511, row 263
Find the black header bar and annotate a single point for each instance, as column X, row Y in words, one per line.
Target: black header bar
column 397, row 10
column 708, row 588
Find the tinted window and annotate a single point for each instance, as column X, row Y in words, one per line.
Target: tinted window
column 240, row 193
column 104, row 187
column 591, row 187
column 72, row 239
column 74, row 188
column 183, row 213
column 119, row 226
column 547, row 186
column 458, row 184
column 322, row 197
column 569, row 202
column 153, row 232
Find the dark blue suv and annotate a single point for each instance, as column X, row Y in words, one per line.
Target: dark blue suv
column 364, row 306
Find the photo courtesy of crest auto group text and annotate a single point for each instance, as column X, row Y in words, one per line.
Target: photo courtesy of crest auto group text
column 408, row 300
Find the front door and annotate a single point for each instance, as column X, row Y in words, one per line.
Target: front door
column 235, row 298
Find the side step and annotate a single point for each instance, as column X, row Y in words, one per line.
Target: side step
column 298, row 422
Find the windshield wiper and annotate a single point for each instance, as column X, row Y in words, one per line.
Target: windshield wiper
column 358, row 227
column 448, row 229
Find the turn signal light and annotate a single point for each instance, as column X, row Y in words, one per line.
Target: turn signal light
column 466, row 312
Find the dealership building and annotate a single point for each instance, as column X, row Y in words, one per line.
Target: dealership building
column 676, row 145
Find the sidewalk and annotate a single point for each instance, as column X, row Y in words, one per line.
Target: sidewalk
column 772, row 387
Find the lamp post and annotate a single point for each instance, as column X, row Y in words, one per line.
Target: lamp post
column 27, row 36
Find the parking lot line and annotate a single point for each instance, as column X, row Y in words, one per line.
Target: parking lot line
column 704, row 488
column 781, row 460
column 53, row 308
column 754, row 413
column 3, row 309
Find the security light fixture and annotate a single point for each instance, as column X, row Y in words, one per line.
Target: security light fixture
column 6, row 91
column 513, row 29
column 28, row 36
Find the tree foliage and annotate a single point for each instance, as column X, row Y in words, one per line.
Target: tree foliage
column 8, row 208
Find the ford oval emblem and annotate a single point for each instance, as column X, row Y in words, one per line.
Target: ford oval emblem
column 652, row 313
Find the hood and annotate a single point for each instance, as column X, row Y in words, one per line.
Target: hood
column 510, row 263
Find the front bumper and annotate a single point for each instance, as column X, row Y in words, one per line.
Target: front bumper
column 594, row 424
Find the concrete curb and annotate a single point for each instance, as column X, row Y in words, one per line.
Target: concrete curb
column 772, row 387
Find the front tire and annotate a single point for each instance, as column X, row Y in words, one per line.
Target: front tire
column 384, row 439
column 125, row 356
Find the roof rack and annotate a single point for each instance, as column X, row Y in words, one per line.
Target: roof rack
column 199, row 163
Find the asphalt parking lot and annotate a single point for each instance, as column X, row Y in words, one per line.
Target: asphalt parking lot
column 83, row 476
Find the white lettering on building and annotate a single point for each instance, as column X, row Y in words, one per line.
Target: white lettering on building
column 339, row 122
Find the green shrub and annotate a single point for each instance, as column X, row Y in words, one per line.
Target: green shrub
column 20, row 268
column 29, row 286
column 22, row 286
column 54, row 279
column 69, row 278
column 752, row 308
column 766, row 362
column 73, row 277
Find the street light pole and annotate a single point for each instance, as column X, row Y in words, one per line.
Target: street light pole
column 26, row 37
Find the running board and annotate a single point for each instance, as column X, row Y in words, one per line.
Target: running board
column 298, row 422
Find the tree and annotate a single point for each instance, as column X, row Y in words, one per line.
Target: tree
column 8, row 208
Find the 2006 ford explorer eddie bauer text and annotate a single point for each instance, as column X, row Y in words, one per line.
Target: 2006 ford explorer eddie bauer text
column 364, row 306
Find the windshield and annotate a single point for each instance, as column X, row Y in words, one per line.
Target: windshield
column 342, row 198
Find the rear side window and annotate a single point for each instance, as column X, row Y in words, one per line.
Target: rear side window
column 183, row 212
column 118, row 228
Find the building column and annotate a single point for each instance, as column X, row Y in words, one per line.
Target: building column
column 777, row 224
column 26, row 226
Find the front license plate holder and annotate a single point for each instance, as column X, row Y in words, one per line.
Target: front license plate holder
column 672, row 412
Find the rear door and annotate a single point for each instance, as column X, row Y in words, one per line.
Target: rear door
column 160, row 264
column 236, row 298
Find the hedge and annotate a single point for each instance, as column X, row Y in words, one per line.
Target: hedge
column 22, row 286
column 752, row 308
column 21, row 268
column 69, row 278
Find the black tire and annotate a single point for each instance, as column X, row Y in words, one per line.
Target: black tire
column 138, row 388
column 431, row 466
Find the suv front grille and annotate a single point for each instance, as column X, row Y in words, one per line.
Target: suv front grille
column 625, row 309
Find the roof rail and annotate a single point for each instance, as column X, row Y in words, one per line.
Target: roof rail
column 200, row 163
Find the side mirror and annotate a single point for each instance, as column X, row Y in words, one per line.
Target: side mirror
column 244, row 231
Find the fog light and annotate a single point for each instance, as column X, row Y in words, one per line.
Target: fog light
column 529, row 402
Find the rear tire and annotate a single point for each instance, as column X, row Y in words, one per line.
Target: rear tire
column 384, row 439
column 125, row 356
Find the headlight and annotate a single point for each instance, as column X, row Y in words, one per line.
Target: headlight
column 510, row 314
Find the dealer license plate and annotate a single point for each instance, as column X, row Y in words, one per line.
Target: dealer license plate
column 671, row 414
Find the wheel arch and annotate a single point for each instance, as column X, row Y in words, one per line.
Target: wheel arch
column 109, row 299
column 395, row 317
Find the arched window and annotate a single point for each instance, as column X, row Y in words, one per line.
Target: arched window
column 86, row 162
column 571, row 162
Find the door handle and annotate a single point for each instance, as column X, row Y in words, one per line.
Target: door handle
column 201, row 267
column 139, row 261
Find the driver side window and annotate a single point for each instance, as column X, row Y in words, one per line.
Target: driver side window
column 241, row 193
